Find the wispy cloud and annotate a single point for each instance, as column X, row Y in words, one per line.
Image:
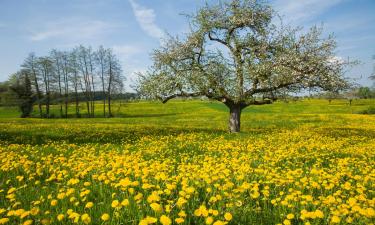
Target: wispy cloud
column 71, row 29
column 146, row 19
column 303, row 11
column 130, row 57
column 127, row 51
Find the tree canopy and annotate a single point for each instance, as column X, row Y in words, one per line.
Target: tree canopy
column 240, row 53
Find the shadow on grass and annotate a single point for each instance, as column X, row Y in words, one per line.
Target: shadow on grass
column 123, row 115
column 115, row 136
column 118, row 135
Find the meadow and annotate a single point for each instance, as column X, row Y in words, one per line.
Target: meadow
column 304, row 162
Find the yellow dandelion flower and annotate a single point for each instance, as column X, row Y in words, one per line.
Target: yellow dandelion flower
column 54, row 202
column 209, row 220
column 105, row 217
column 290, row 216
column 4, row 220
column 228, row 216
column 219, row 222
column 89, row 205
column 156, row 207
column 28, row 222
column 60, row 217
column 165, row 220
column 179, row 220
column 115, row 203
column 86, row 219
column 125, row 202
column 335, row 219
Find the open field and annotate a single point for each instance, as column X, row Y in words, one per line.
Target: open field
column 305, row 162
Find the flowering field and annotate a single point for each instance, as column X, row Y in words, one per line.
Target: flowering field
column 297, row 163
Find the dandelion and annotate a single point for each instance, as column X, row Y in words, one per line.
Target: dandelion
column 209, row 220
column 105, row 217
column 60, row 217
column 228, row 216
column 86, row 219
column 28, row 222
column 115, row 203
column 89, row 205
column 156, row 207
column 164, row 220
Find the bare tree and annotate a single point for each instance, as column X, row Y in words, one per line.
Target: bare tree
column 46, row 68
column 31, row 66
column 114, row 77
column 102, row 60
column 66, row 69
column 76, row 81
column 56, row 56
column 237, row 54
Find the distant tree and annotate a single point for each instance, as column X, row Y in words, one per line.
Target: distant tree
column 235, row 53
column 30, row 65
column 331, row 95
column 67, row 70
column 65, row 76
column 22, row 87
column 115, row 78
column 57, row 57
column 102, row 61
column 46, row 70
column 372, row 77
column 75, row 78
column 364, row 92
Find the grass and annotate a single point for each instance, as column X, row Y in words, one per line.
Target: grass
column 293, row 163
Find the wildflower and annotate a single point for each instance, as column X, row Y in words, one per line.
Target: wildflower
column 86, row 218
column 228, row 216
column 60, row 217
column 209, row 220
column 164, row 220
column 125, row 202
column 28, row 222
column 219, row 222
column 4, row 220
column 54, row 202
column 115, row 203
column 156, row 207
column 105, row 217
column 335, row 219
column 89, row 205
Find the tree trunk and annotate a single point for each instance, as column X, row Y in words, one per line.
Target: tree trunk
column 235, row 118
column 47, row 104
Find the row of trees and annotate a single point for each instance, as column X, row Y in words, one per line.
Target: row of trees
column 67, row 75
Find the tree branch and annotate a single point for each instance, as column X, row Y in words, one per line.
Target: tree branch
column 166, row 99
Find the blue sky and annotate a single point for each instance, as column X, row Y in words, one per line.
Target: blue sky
column 134, row 27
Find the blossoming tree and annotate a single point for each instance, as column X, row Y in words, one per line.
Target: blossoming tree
column 239, row 53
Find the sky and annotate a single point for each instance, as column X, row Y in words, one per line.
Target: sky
column 133, row 28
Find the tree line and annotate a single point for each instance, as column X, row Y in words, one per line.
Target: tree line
column 80, row 75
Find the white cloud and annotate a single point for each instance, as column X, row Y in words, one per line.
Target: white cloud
column 146, row 19
column 303, row 10
column 71, row 29
column 127, row 51
column 130, row 63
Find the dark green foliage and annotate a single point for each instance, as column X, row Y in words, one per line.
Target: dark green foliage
column 365, row 92
column 24, row 93
column 369, row 111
